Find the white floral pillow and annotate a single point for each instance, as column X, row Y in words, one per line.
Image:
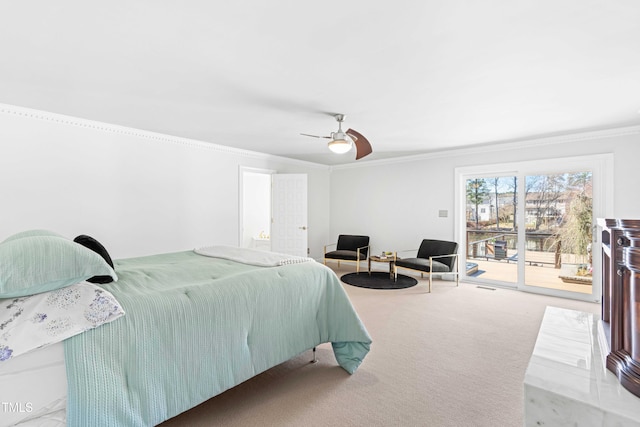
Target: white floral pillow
column 35, row 321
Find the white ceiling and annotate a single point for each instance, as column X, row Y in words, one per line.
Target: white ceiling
column 412, row 76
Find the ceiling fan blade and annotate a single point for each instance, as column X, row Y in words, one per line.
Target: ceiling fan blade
column 315, row 136
column 363, row 148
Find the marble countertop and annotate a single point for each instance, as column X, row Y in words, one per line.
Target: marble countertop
column 567, row 383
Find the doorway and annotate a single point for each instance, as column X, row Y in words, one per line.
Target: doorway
column 255, row 208
column 273, row 211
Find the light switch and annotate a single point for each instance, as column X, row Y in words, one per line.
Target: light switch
column 443, row 213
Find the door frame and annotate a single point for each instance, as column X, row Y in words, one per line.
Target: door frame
column 601, row 166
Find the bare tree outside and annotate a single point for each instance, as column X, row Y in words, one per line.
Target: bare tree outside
column 575, row 233
column 514, row 189
column 495, row 182
column 545, row 193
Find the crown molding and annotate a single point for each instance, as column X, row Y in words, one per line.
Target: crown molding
column 164, row 138
column 500, row 146
column 62, row 119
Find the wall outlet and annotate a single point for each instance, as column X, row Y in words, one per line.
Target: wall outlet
column 443, row 213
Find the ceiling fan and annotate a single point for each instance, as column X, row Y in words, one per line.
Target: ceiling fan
column 341, row 144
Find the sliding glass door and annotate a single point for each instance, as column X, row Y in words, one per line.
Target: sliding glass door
column 530, row 225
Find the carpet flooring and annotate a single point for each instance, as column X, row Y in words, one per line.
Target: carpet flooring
column 453, row 357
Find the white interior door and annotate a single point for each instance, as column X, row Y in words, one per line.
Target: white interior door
column 289, row 209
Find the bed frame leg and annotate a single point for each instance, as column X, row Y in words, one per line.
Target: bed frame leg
column 315, row 359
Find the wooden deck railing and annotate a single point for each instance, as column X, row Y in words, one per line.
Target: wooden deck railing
column 502, row 246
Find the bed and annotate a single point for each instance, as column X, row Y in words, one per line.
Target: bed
column 182, row 328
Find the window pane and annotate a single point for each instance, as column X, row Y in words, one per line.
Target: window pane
column 492, row 228
column 559, row 218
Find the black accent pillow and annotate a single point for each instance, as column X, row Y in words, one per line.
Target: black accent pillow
column 94, row 245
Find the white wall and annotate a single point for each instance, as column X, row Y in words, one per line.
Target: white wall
column 137, row 192
column 397, row 202
column 143, row 193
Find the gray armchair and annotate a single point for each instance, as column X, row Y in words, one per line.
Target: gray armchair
column 434, row 256
column 350, row 248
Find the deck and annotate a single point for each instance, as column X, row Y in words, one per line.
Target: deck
column 537, row 274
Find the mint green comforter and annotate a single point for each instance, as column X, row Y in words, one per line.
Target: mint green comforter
column 196, row 326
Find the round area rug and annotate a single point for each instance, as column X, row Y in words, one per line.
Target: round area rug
column 378, row 280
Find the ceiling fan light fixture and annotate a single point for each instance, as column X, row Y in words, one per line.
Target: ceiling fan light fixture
column 342, row 142
column 340, row 146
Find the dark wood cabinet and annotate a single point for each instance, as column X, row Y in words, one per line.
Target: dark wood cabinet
column 621, row 298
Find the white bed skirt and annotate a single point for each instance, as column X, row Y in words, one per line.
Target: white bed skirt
column 33, row 389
